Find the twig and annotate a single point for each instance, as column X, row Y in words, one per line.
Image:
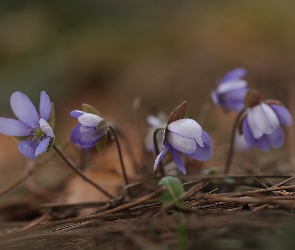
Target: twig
column 86, row 218
column 192, row 191
column 80, row 173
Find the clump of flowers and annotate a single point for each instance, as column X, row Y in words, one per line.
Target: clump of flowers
column 91, row 130
column 33, row 131
column 261, row 122
column 231, row 91
column 186, row 136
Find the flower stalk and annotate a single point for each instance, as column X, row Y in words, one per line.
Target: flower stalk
column 120, row 157
column 79, row 172
column 232, row 143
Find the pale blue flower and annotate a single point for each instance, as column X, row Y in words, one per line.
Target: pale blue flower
column 231, row 91
column 188, row 137
column 89, row 131
column 262, row 125
column 32, row 129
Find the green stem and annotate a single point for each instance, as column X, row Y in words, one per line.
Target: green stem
column 80, row 173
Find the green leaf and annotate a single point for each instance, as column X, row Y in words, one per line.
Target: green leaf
column 175, row 189
column 51, row 120
column 178, row 113
column 90, row 109
column 101, row 144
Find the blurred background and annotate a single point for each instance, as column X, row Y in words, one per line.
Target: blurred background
column 106, row 53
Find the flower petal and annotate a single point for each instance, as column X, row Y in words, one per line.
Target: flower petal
column 214, row 98
column 13, row 127
column 181, row 143
column 46, row 128
column 76, row 113
column 44, row 106
column 76, row 134
column 206, row 138
column 276, row 138
column 42, row 147
column 187, row 128
column 283, row 114
column 233, row 100
column 154, row 121
column 234, row 74
column 89, row 120
column 249, row 139
column 231, row 85
column 201, row 153
column 161, row 155
column 177, row 160
column 28, row 148
column 262, row 120
column 90, row 138
column 24, row 109
column 263, row 143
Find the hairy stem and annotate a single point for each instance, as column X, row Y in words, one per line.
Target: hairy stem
column 232, row 143
column 120, row 157
column 80, row 173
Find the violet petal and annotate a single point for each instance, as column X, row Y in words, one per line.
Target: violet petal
column 263, row 143
column 206, row 138
column 13, row 127
column 177, row 160
column 76, row 134
column 42, row 147
column 24, row 109
column 201, row 153
column 28, row 148
column 234, row 74
column 249, row 139
column 283, row 114
column 76, row 113
column 44, row 106
column 276, row 138
column 161, row 155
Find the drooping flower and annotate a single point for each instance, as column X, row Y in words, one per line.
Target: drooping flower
column 155, row 122
column 91, row 128
column 33, row 131
column 186, row 136
column 261, row 123
column 231, row 91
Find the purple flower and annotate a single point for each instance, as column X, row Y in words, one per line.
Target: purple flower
column 34, row 131
column 90, row 131
column 231, row 91
column 186, row 136
column 261, row 124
